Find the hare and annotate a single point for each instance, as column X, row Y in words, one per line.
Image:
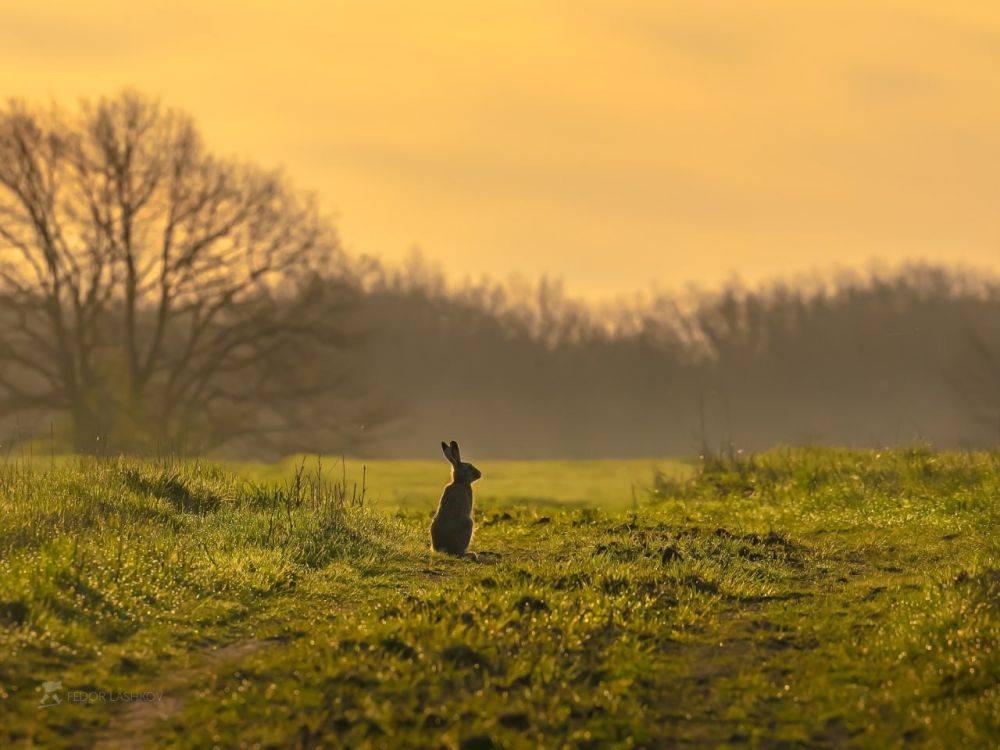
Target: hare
column 451, row 529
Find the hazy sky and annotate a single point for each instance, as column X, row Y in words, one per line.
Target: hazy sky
column 611, row 142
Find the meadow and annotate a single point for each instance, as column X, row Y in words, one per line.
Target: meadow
column 606, row 484
column 797, row 598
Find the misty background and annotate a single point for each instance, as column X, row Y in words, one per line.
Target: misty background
column 155, row 297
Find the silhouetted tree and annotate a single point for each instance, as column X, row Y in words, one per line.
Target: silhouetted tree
column 153, row 292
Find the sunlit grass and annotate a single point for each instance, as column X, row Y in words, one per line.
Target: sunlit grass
column 418, row 484
column 801, row 597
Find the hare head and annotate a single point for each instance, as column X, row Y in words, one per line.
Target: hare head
column 461, row 473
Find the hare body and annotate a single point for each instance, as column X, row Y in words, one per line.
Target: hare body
column 451, row 529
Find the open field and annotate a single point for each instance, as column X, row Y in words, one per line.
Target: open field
column 811, row 598
column 609, row 484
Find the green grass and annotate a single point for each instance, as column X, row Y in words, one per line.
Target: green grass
column 611, row 485
column 808, row 598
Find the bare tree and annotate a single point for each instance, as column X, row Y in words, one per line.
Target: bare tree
column 148, row 289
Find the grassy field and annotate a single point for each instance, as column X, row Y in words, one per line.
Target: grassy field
column 797, row 599
column 610, row 485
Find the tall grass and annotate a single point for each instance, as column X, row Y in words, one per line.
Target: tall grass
column 95, row 549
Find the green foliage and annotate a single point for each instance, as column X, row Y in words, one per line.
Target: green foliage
column 797, row 598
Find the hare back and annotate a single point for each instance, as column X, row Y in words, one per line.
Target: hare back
column 456, row 500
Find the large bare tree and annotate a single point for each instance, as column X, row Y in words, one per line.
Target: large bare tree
column 152, row 292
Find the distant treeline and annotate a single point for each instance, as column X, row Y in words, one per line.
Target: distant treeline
column 523, row 370
column 155, row 297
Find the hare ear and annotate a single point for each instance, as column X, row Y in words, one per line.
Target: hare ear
column 447, row 452
column 455, row 452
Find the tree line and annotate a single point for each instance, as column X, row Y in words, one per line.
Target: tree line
column 908, row 356
column 156, row 297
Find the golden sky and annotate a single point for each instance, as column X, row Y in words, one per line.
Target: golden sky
column 615, row 143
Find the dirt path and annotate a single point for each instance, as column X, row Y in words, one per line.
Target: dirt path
column 131, row 727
